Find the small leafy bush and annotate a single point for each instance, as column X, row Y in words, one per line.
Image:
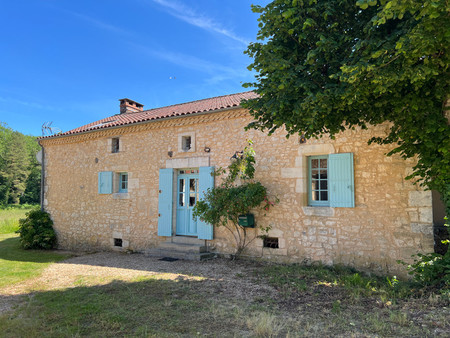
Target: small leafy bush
column 36, row 231
column 431, row 269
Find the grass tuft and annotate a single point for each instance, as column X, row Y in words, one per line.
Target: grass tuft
column 264, row 324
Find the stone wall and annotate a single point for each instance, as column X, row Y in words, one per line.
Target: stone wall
column 392, row 218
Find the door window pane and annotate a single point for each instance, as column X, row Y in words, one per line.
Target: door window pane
column 192, row 185
column 192, row 199
column 182, row 185
column 181, row 200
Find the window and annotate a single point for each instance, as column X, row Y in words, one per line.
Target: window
column 330, row 180
column 115, row 145
column 186, row 143
column 123, row 182
column 318, row 187
column 109, row 182
column 271, row 242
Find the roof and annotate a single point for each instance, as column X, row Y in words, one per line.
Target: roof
column 177, row 110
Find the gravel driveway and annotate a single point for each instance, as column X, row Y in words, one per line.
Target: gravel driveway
column 222, row 275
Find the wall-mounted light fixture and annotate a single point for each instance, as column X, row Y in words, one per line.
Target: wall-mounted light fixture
column 170, row 153
column 207, row 149
column 302, row 139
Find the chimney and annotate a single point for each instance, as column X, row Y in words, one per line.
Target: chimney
column 128, row 106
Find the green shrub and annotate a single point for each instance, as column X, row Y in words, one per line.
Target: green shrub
column 431, row 269
column 36, row 231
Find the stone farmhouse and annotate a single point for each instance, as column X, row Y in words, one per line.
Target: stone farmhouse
column 129, row 182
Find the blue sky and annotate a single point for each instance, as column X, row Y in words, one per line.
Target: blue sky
column 70, row 62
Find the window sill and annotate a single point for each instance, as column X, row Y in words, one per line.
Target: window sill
column 319, row 211
column 121, row 196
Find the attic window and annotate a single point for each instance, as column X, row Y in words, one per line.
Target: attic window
column 186, row 141
column 115, row 145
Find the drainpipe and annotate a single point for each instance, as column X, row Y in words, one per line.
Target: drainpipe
column 42, row 175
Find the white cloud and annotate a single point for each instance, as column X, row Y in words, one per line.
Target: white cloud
column 188, row 15
column 217, row 72
column 30, row 104
column 99, row 23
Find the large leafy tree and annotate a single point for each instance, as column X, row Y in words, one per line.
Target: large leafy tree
column 19, row 170
column 324, row 66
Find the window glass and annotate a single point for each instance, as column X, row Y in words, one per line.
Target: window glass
column 318, row 178
column 192, row 199
column 123, row 182
column 186, row 143
column 181, row 189
column 182, row 185
column 181, row 200
column 115, row 145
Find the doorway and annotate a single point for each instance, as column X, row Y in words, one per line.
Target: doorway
column 187, row 197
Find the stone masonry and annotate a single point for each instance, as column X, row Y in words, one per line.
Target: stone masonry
column 391, row 220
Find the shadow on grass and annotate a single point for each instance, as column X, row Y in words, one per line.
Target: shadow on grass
column 154, row 307
column 157, row 307
column 10, row 250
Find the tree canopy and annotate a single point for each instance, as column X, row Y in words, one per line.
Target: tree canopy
column 20, row 173
column 324, row 66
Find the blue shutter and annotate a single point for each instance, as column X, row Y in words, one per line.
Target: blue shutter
column 105, row 180
column 165, row 201
column 340, row 180
column 206, row 181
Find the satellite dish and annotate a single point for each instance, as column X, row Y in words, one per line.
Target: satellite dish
column 39, row 156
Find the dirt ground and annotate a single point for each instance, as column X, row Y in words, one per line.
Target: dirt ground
column 318, row 309
column 220, row 274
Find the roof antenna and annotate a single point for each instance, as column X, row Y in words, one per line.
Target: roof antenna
column 48, row 130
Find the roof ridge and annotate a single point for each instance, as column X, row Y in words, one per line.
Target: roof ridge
column 208, row 98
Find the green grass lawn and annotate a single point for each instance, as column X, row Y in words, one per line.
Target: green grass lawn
column 9, row 218
column 16, row 264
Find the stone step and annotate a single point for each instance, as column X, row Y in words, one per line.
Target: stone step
column 158, row 252
column 186, row 240
column 183, row 247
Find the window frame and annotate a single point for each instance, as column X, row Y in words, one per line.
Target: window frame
column 312, row 202
column 115, row 145
column 121, row 181
column 182, row 142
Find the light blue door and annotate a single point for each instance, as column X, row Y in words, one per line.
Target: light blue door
column 187, row 196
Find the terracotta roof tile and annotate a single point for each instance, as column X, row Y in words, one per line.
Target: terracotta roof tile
column 188, row 108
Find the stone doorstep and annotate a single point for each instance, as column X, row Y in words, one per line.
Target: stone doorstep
column 180, row 247
column 191, row 256
column 183, row 247
column 185, row 240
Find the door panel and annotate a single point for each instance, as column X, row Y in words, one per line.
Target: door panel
column 187, row 192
